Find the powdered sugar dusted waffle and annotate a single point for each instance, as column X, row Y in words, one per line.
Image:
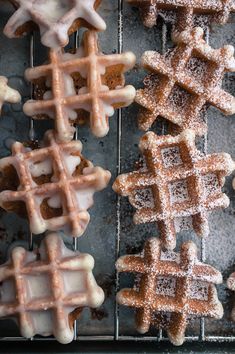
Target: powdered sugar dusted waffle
column 95, row 96
column 43, row 291
column 56, row 19
column 172, row 287
column 184, row 81
column 7, row 94
column 53, row 186
column 177, row 186
column 185, row 14
column 231, row 286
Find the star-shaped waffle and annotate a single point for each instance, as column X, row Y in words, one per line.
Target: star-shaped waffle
column 7, row 94
column 172, row 287
column 43, row 292
column 56, row 19
column 231, row 286
column 94, row 97
column 183, row 82
column 53, row 185
column 185, row 14
column 177, row 186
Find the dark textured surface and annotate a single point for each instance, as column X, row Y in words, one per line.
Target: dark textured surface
column 99, row 239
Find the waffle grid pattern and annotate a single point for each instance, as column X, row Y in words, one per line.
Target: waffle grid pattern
column 178, row 176
column 198, row 89
column 60, row 301
column 95, row 98
column 150, row 301
column 74, row 219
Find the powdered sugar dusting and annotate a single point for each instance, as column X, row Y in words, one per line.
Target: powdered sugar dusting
column 181, row 185
column 168, row 281
column 184, row 82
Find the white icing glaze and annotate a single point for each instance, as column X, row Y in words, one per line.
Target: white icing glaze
column 71, row 275
column 54, row 18
column 7, row 94
column 41, row 168
column 85, row 198
column 71, row 162
column 55, row 201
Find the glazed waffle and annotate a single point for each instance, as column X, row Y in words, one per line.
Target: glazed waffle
column 55, row 19
column 172, row 288
column 231, row 286
column 7, row 94
column 53, row 186
column 94, row 97
column 177, row 186
column 185, row 14
column 42, row 291
column 184, row 81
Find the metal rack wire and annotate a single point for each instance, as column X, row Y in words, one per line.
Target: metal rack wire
column 202, row 337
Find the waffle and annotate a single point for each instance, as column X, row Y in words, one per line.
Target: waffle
column 172, row 288
column 231, row 286
column 55, row 19
column 93, row 97
column 53, row 186
column 177, row 186
column 184, row 14
column 44, row 292
column 7, row 94
column 184, row 82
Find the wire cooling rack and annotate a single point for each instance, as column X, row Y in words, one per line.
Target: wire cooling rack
column 118, row 335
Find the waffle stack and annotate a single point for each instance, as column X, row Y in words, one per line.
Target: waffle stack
column 176, row 186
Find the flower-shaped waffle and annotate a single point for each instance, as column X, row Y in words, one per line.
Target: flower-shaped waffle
column 185, row 14
column 56, row 19
column 184, row 81
column 43, row 292
column 177, row 186
column 94, row 97
column 53, row 186
column 231, row 286
column 172, row 287
column 7, row 94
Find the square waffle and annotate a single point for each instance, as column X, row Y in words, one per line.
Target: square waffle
column 56, row 19
column 185, row 14
column 185, row 81
column 177, row 186
column 45, row 292
column 96, row 97
column 172, row 288
column 53, row 185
